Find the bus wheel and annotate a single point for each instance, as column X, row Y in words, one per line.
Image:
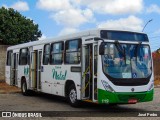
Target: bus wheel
column 24, row 88
column 72, row 96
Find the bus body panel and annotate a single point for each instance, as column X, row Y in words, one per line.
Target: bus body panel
column 7, row 75
column 55, row 76
column 116, row 88
column 105, row 97
column 23, row 71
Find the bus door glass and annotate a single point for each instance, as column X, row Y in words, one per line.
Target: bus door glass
column 14, row 68
column 39, row 69
column 89, row 71
column 94, row 75
column 33, row 66
column 85, row 71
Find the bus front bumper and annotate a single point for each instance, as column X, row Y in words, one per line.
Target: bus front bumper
column 105, row 97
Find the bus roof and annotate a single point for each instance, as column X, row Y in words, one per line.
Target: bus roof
column 86, row 33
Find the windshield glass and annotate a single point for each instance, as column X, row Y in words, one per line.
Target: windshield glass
column 127, row 60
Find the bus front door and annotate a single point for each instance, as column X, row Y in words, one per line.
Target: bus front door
column 14, row 69
column 89, row 72
column 35, row 68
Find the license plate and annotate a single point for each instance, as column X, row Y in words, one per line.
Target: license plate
column 132, row 101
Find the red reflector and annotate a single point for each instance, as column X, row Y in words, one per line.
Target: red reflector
column 132, row 101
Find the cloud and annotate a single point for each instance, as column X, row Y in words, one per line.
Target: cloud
column 73, row 13
column 153, row 8
column 114, row 6
column 53, row 5
column 20, row 6
column 98, row 6
column 73, row 17
column 66, row 12
column 66, row 31
column 130, row 23
column 42, row 37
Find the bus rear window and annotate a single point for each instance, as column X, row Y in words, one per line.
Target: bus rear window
column 124, row 36
column 23, row 56
column 46, row 54
column 8, row 63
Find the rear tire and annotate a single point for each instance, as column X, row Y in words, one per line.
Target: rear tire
column 72, row 96
column 24, row 88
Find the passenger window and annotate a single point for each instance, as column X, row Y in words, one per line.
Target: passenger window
column 23, row 56
column 9, row 58
column 57, row 53
column 46, row 53
column 72, row 51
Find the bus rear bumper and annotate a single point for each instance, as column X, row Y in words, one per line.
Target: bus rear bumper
column 105, row 97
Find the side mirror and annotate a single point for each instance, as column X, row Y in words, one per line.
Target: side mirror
column 101, row 49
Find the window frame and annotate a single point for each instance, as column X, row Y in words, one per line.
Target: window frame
column 26, row 56
column 67, row 47
column 51, row 46
column 9, row 60
column 46, row 54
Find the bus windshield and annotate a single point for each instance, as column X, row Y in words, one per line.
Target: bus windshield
column 127, row 60
column 124, row 36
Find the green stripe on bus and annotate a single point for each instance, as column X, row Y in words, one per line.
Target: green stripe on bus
column 113, row 97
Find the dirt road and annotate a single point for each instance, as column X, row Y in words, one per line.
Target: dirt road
column 45, row 102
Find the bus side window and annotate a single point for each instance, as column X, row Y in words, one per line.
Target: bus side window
column 72, row 51
column 23, row 56
column 46, row 54
column 8, row 63
column 56, row 53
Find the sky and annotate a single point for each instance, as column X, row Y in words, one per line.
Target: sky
column 59, row 17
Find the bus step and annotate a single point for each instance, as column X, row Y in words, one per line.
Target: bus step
column 90, row 101
column 87, row 100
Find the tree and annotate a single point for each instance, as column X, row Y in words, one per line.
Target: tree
column 16, row 29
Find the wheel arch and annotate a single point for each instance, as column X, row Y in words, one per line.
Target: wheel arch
column 67, row 84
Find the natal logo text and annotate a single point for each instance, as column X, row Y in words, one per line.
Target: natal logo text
column 26, row 71
column 59, row 75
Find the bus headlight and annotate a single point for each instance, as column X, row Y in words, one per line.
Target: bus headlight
column 151, row 86
column 107, row 86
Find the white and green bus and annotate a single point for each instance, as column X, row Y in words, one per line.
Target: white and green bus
column 100, row 66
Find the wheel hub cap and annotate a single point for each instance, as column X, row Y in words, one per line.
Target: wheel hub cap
column 73, row 96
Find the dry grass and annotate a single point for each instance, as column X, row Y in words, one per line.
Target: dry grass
column 5, row 88
column 157, row 82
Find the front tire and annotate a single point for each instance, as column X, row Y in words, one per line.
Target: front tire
column 72, row 96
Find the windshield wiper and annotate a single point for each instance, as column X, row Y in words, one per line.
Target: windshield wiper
column 121, row 50
column 137, row 48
